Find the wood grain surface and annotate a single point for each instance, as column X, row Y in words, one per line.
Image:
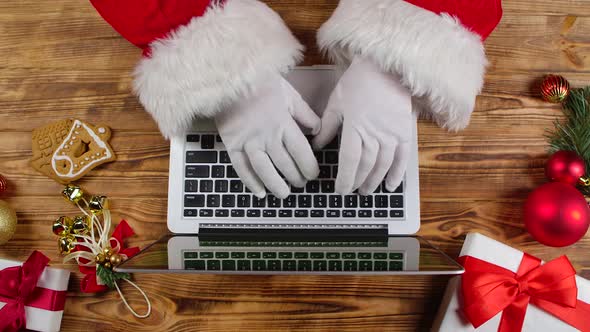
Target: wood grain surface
column 59, row 59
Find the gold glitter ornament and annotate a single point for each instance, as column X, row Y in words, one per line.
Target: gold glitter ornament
column 97, row 203
column 7, row 222
column 61, row 226
column 73, row 193
column 80, row 225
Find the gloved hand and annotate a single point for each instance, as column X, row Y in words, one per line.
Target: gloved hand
column 375, row 111
column 262, row 129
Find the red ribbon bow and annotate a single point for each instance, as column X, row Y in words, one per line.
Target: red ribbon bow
column 18, row 287
column 89, row 283
column 489, row 289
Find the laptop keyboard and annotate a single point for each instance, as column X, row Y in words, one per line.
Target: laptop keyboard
column 212, row 189
column 316, row 261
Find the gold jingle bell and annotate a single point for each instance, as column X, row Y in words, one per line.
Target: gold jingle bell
column 66, row 244
column 72, row 193
column 100, row 259
column 97, row 204
column 80, row 225
column 62, row 225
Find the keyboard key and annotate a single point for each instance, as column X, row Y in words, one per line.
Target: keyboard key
column 319, row 156
column 333, row 255
column 213, row 201
column 206, row 254
column 325, row 172
column 218, row 139
column 396, row 201
column 206, row 186
column 380, row 255
column 296, row 190
column 320, row 201
column 286, row 214
column 333, row 145
column 366, row 201
column 191, row 186
column 228, row 265
column 328, row 187
column 238, row 213
column 238, row 255
column 194, row 265
column 399, row 189
column 259, row 265
column 304, row 201
column 301, row 255
column 350, row 266
column 287, row 255
column 258, row 202
column 191, row 255
column 206, row 213
column 304, row 265
column 228, row 201
column 218, row 172
column 365, row 214
column 331, row 158
column 269, row 213
column 335, row 201
column 317, row 214
column 381, row 201
column 244, row 265
column 197, row 172
column 236, row 186
column 313, row 187
column 349, row 255
column 290, row 202
column 380, row 266
column 351, row 201
column 301, row 214
column 221, row 213
column 254, row 255
column 231, row 173
column 333, row 214
column 221, row 186
column 289, row 265
column 222, row 255
column 254, row 213
column 396, row 213
column 349, row 214
column 365, row 266
column 194, row 200
column 380, row 214
column 334, row 171
column 191, row 213
column 201, row 157
column 224, row 157
column 207, row 142
column 364, row 255
column 274, row 201
column 244, row 201
column 269, row 255
column 320, row 266
column 335, row 266
column 396, row 255
column 273, row 265
column 396, row 266
column 317, row 255
column 193, row 138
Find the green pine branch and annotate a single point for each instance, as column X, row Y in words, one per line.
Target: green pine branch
column 109, row 277
column 574, row 133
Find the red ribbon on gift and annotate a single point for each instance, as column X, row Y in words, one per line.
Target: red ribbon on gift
column 489, row 289
column 89, row 283
column 18, row 288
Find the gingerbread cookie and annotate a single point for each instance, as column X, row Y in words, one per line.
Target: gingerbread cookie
column 68, row 149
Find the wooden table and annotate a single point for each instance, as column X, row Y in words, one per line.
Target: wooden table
column 59, row 59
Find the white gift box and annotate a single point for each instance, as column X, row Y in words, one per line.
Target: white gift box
column 450, row 317
column 52, row 279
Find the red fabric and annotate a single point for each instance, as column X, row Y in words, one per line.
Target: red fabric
column 479, row 16
column 18, row 288
column 488, row 289
column 143, row 21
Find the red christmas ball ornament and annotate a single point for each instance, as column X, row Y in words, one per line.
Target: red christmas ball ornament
column 555, row 89
column 556, row 214
column 565, row 166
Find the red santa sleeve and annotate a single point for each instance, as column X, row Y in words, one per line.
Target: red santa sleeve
column 199, row 55
column 436, row 46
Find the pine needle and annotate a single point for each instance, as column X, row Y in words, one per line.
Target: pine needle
column 574, row 133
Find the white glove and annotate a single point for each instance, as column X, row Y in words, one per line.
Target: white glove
column 263, row 127
column 375, row 112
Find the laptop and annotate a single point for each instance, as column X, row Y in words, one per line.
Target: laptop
column 221, row 227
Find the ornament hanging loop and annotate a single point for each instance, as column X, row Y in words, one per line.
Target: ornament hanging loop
column 147, row 300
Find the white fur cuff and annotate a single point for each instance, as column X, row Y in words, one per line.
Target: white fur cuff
column 441, row 62
column 213, row 61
